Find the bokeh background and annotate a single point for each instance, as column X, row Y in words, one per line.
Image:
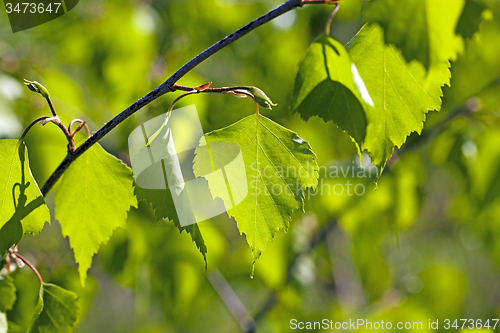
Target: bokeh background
column 421, row 244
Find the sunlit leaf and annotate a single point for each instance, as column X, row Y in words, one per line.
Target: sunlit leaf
column 22, row 207
column 402, row 92
column 325, row 86
column 279, row 167
column 93, row 199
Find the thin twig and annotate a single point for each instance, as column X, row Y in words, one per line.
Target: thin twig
column 209, row 90
column 167, row 86
column 320, row 2
column 231, row 301
column 224, row 90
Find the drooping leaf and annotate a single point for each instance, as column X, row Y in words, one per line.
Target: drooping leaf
column 163, row 205
column 402, row 92
column 22, row 207
column 57, row 310
column 93, row 199
column 7, row 293
column 423, row 30
column 279, row 167
column 155, row 151
column 327, row 85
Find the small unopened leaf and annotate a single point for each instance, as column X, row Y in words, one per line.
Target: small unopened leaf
column 94, row 198
column 57, row 310
column 22, row 207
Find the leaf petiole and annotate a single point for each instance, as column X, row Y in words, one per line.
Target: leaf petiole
column 15, row 255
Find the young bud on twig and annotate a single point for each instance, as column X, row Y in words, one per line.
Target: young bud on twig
column 261, row 98
column 37, row 87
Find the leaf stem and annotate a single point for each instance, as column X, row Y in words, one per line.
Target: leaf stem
column 31, row 125
column 180, row 97
column 236, row 90
column 330, row 19
column 168, row 85
column 30, row 265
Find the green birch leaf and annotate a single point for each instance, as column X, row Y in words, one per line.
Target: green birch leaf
column 7, row 293
column 22, row 207
column 402, row 92
column 325, row 86
column 279, row 167
column 423, row 30
column 151, row 159
column 94, row 197
column 57, row 310
column 163, row 205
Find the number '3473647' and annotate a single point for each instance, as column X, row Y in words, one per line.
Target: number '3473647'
column 32, row 7
column 26, row 15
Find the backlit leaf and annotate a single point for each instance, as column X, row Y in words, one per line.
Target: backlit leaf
column 22, row 207
column 402, row 92
column 93, row 199
column 279, row 167
column 325, row 86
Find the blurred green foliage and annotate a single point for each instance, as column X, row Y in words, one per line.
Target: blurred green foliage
column 422, row 246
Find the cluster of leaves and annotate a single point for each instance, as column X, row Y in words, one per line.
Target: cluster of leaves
column 57, row 309
column 378, row 89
